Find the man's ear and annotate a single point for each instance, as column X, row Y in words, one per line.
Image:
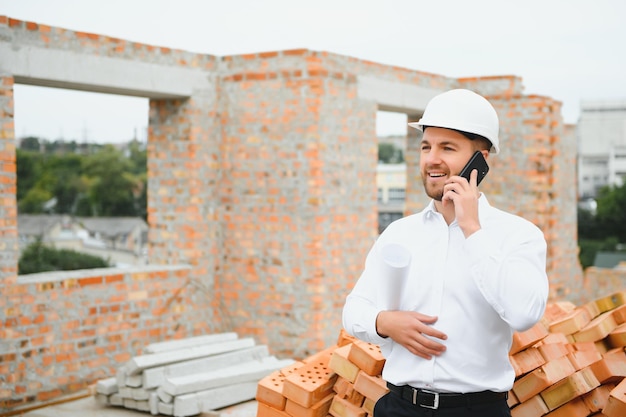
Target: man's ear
column 485, row 153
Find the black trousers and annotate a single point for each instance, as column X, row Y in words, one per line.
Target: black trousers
column 391, row 405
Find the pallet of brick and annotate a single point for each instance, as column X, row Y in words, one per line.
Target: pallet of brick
column 188, row 376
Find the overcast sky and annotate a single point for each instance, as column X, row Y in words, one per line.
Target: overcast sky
column 570, row 50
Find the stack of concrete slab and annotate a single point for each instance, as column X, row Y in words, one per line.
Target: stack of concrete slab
column 189, row 376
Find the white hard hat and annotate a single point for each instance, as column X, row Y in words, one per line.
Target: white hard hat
column 462, row 110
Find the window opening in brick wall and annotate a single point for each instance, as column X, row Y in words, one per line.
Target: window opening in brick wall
column 82, row 173
column 391, row 128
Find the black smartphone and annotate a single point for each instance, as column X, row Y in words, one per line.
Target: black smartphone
column 476, row 162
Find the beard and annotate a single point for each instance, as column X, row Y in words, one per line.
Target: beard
column 432, row 192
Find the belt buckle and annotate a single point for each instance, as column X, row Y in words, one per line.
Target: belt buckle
column 435, row 399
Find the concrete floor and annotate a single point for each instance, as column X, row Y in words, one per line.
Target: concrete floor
column 88, row 407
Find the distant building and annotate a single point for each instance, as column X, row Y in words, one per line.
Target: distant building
column 391, row 184
column 122, row 240
column 601, row 136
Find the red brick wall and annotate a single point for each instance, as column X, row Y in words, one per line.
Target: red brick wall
column 262, row 184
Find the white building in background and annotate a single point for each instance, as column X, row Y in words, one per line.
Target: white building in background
column 601, row 134
column 391, row 184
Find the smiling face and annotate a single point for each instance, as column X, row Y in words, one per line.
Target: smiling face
column 443, row 153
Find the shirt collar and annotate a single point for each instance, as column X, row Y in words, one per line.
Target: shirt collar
column 430, row 210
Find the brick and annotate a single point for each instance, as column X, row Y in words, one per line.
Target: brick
column 617, row 338
column 592, row 309
column 611, row 302
column 368, row 406
column 341, row 365
column 619, row 314
column 558, row 310
column 342, row 408
column 616, row 403
column 367, row 357
column 569, row 388
column 575, row 408
column 554, row 338
column 522, row 340
column 346, row 390
column 512, row 399
column 542, row 377
column 527, row 360
column 345, row 338
column 597, row 329
column 310, row 383
column 609, row 369
column 264, row 410
column 584, row 346
column 572, row 323
column 372, row 387
column 551, row 351
column 319, row 409
column 583, row 358
column 534, row 406
column 596, row 399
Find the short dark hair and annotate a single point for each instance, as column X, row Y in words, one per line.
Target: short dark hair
column 483, row 142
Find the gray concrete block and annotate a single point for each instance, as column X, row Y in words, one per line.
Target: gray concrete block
column 126, row 392
column 121, row 375
column 130, row 403
column 164, row 396
column 116, row 399
column 154, row 377
column 134, row 381
column 190, row 342
column 202, row 401
column 154, row 403
column 143, row 405
column 137, row 364
column 101, row 399
column 243, row 372
column 167, row 409
column 107, row 386
column 140, row 394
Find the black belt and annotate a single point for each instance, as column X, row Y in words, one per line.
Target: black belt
column 434, row 400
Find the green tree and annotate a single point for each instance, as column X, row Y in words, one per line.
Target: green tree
column 606, row 228
column 388, row 153
column 40, row 258
column 611, row 212
column 113, row 189
column 31, row 143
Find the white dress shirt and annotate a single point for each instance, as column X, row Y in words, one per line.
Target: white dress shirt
column 481, row 289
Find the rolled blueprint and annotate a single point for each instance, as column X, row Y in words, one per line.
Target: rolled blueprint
column 394, row 264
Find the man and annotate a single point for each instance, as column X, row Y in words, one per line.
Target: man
column 476, row 275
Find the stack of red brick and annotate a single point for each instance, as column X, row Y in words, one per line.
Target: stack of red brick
column 571, row 364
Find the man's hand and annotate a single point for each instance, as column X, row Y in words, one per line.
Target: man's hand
column 464, row 195
column 412, row 330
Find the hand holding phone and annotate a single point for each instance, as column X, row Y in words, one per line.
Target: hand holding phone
column 476, row 162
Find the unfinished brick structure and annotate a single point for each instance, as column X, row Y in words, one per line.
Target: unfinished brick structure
column 262, row 199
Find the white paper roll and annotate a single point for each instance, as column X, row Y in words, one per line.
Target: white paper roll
column 395, row 261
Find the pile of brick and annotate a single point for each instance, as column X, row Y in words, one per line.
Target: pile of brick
column 190, row 376
column 570, row 364
column 343, row 381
